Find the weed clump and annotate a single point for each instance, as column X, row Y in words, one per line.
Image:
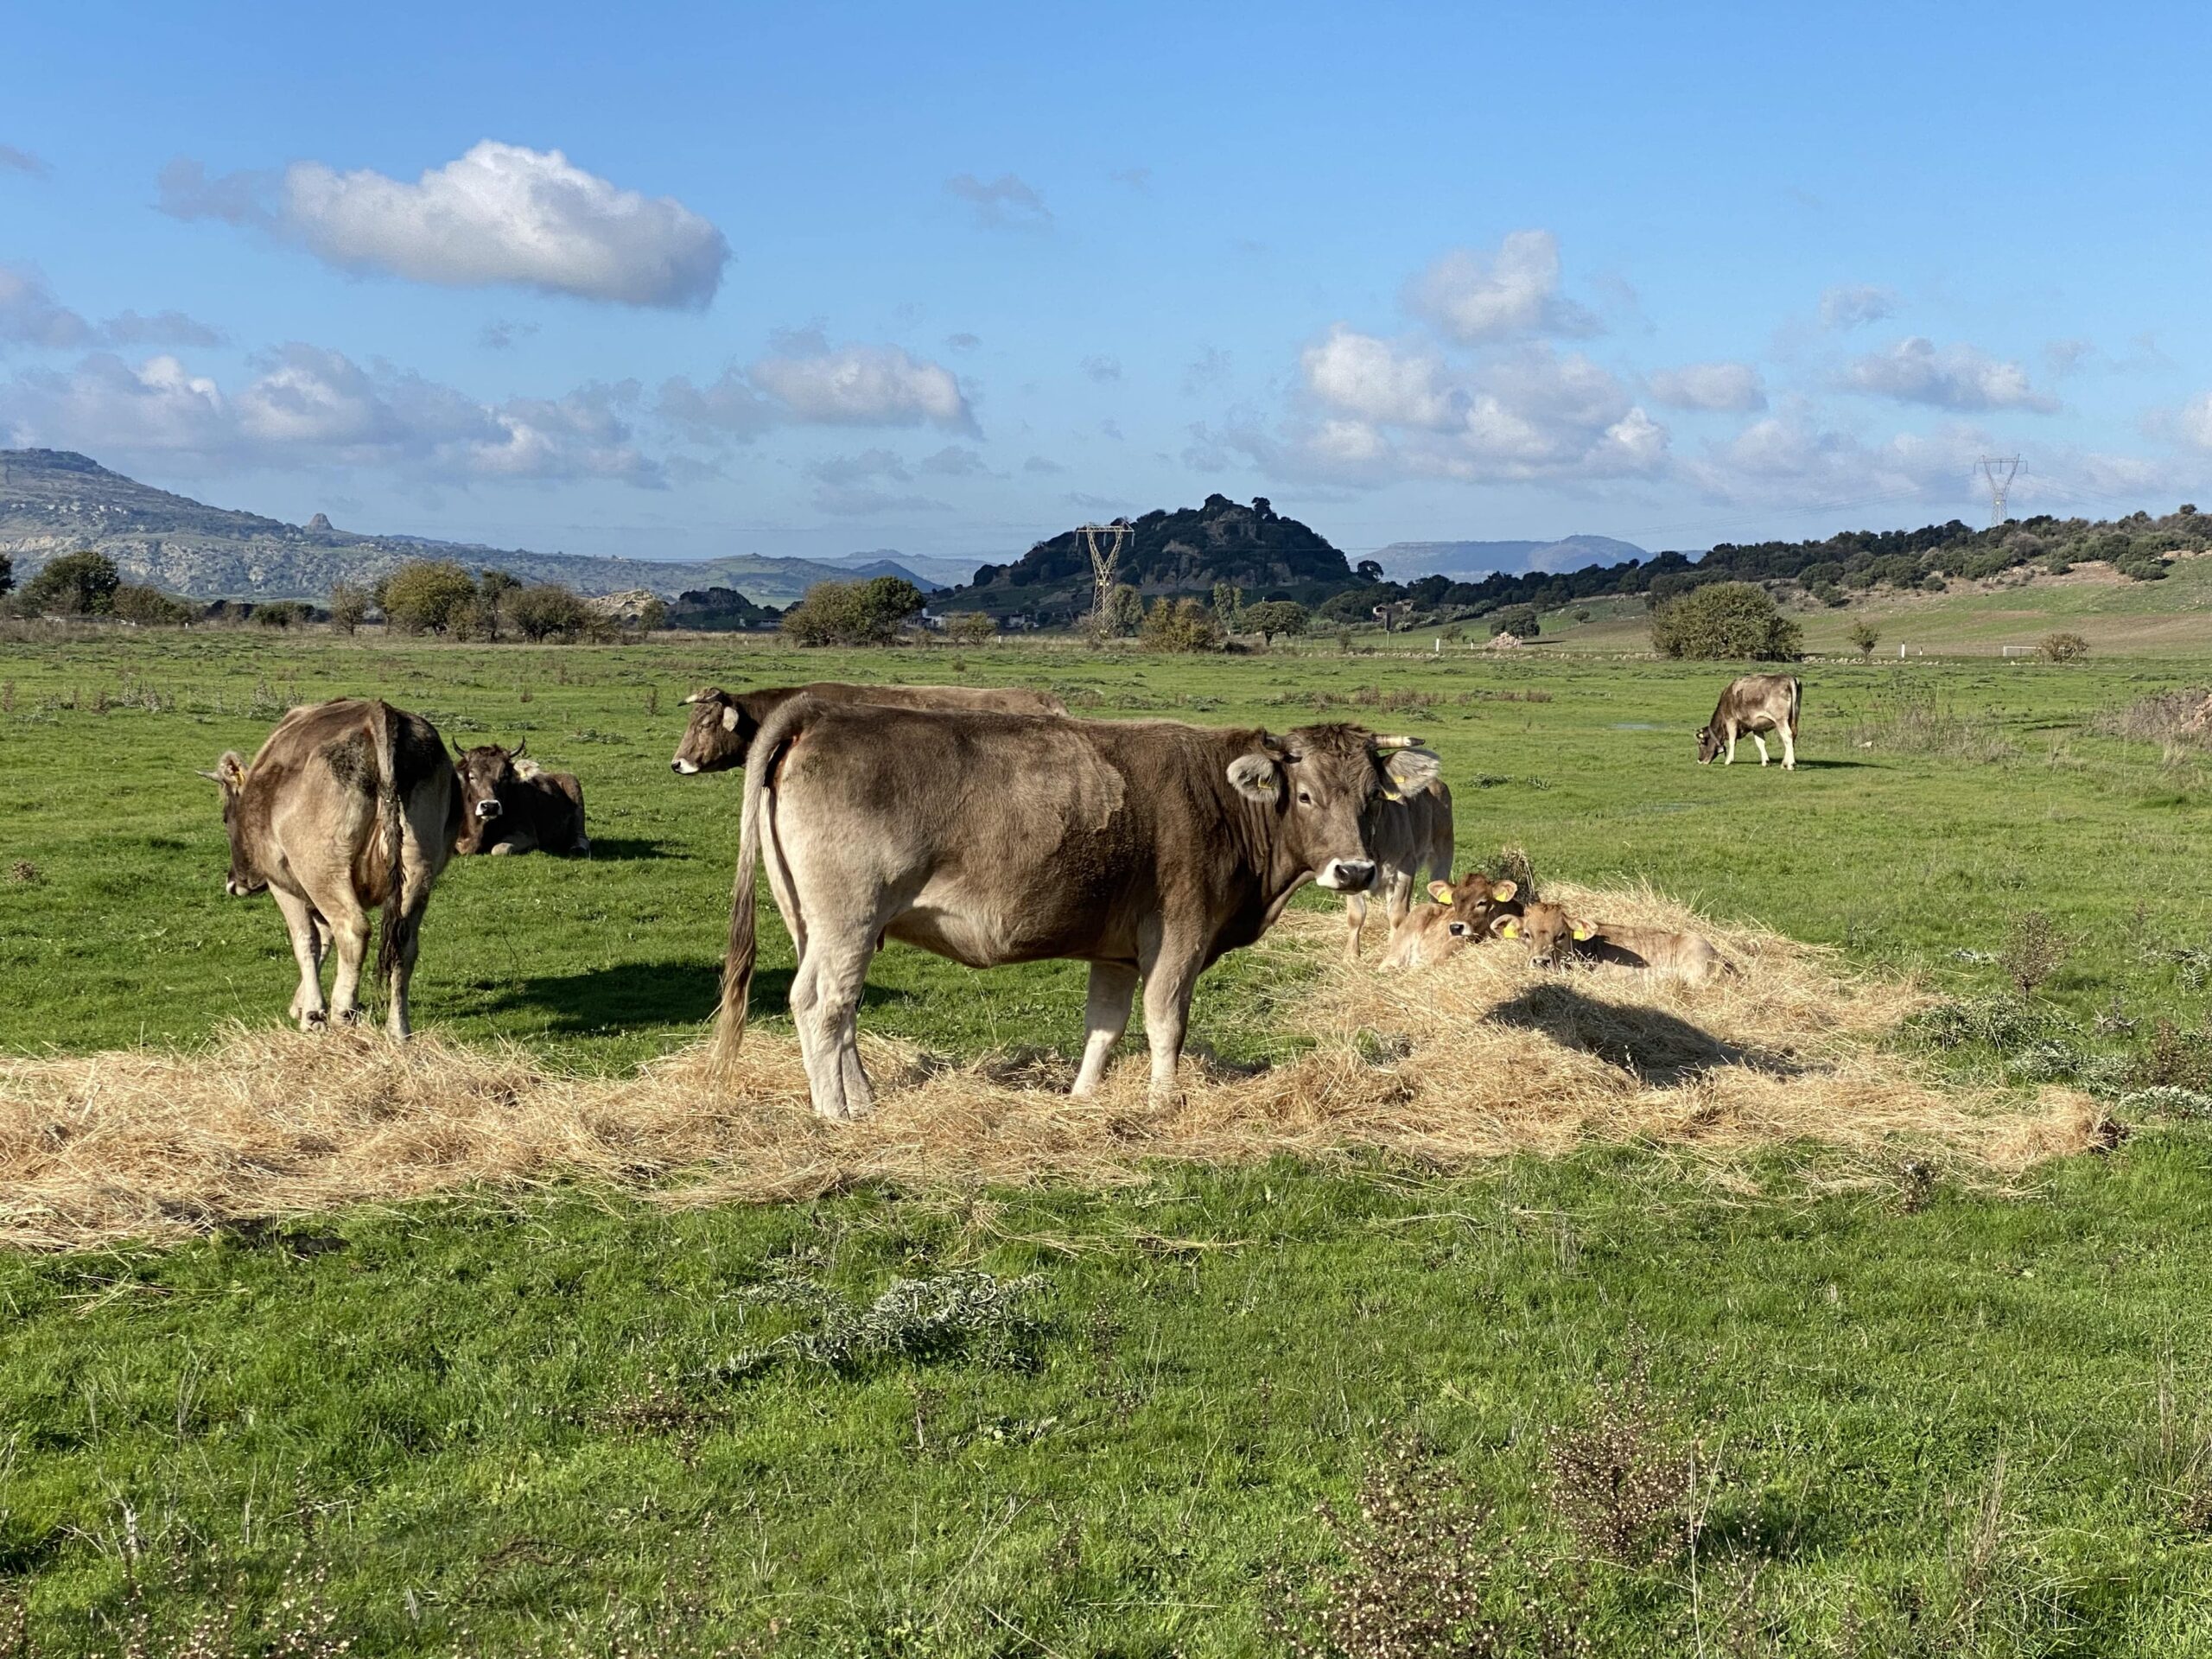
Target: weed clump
column 1620, row 1488
column 2034, row 951
column 952, row 1316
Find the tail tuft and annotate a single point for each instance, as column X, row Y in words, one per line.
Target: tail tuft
column 392, row 933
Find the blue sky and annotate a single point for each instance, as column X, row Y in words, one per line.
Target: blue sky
column 677, row 282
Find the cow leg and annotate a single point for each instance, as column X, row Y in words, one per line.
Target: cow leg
column 1761, row 742
column 1355, row 921
column 349, row 931
column 415, row 902
column 1106, row 1016
column 1730, row 760
column 1398, row 896
column 1789, row 751
column 1168, row 982
column 826, row 1006
column 307, row 951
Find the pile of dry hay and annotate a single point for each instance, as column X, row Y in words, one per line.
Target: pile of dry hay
column 1479, row 1056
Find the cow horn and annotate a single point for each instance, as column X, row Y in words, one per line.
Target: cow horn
column 516, row 753
column 1397, row 742
column 706, row 694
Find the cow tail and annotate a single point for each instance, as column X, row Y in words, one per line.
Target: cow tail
column 391, row 934
column 1446, row 844
column 743, row 934
column 1797, row 696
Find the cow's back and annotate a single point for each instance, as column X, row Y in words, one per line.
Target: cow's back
column 993, row 699
column 312, row 786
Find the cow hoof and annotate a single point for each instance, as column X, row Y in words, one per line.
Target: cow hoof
column 313, row 1020
column 350, row 1017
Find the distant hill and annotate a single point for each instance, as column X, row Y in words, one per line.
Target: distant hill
column 53, row 501
column 1472, row 561
column 1186, row 551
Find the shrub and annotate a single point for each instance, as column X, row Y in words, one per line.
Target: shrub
column 853, row 612
column 2062, row 647
column 1725, row 620
column 546, row 609
column 1276, row 617
column 151, row 608
column 652, row 615
column 349, row 606
column 971, row 628
column 282, row 613
column 953, row 1315
column 1864, row 636
column 1519, row 620
column 1179, row 624
column 2033, row 952
column 427, row 596
column 76, row 584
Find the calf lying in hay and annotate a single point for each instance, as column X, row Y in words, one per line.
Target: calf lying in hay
column 1553, row 937
column 1476, row 1059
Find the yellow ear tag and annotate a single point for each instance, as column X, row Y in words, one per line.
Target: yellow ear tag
column 1583, row 932
column 1510, row 930
column 1501, row 891
column 1440, row 891
column 1392, row 794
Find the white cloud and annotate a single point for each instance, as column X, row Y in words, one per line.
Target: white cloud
column 1382, row 381
column 1473, row 297
column 30, row 315
column 1852, row 305
column 1042, row 464
column 499, row 215
column 728, row 407
column 22, row 161
column 962, row 342
column 308, row 406
column 1006, row 203
column 162, row 328
column 859, row 385
column 501, row 332
column 1914, row 370
column 849, row 485
column 1208, row 369
column 1791, row 459
column 954, row 461
column 1103, row 368
column 1710, row 386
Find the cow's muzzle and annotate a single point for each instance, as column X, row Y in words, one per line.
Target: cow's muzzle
column 1348, row 874
column 682, row 767
column 489, row 809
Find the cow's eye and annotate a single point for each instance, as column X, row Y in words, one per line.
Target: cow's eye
column 1305, row 797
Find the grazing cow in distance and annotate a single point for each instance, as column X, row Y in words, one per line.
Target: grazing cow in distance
column 1754, row 704
column 350, row 806
column 1406, row 833
column 511, row 805
column 1466, row 911
column 1553, row 936
column 724, row 724
column 1146, row 849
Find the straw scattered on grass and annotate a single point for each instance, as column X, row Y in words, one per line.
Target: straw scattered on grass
column 1475, row 1059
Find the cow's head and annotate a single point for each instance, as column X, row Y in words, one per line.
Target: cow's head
column 1709, row 743
column 1320, row 780
column 486, row 773
column 720, row 733
column 1475, row 906
column 230, row 777
column 1550, row 932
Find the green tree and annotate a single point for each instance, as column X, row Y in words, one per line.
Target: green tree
column 652, row 615
column 1725, row 620
column 349, row 606
column 7, row 573
column 1229, row 606
column 971, row 628
column 853, row 612
column 76, row 584
column 1179, row 624
column 150, row 608
column 1519, row 620
column 493, row 587
column 281, row 613
column 2062, row 647
column 1864, row 636
column 1276, row 616
column 545, row 609
column 1124, row 611
column 428, row 597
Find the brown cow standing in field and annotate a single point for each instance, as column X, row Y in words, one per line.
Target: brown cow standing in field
column 511, row 805
column 1146, row 849
column 1406, row 833
column 1466, row 911
column 1752, row 705
column 350, row 806
column 1553, row 936
column 723, row 725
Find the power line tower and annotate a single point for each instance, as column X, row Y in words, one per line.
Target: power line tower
column 1105, row 563
column 1999, row 471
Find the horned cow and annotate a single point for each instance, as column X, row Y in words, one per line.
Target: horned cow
column 1147, row 849
column 349, row 806
column 1406, row 833
column 511, row 805
column 1753, row 705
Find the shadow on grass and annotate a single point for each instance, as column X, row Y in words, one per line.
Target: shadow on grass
column 624, row 851
column 1650, row 1042
column 637, row 995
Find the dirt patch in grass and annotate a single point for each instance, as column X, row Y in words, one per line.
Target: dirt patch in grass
column 1472, row 1059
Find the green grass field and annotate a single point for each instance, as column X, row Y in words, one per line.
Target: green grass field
column 1932, row 1418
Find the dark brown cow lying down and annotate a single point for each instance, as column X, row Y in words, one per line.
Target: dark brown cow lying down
column 724, row 724
column 1146, row 849
column 1406, row 835
column 348, row 807
column 509, row 803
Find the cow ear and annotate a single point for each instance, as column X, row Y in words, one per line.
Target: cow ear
column 230, row 771
column 1582, row 930
column 1253, row 777
column 729, row 716
column 1440, row 891
column 1410, row 769
column 1507, row 927
column 1501, row 891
